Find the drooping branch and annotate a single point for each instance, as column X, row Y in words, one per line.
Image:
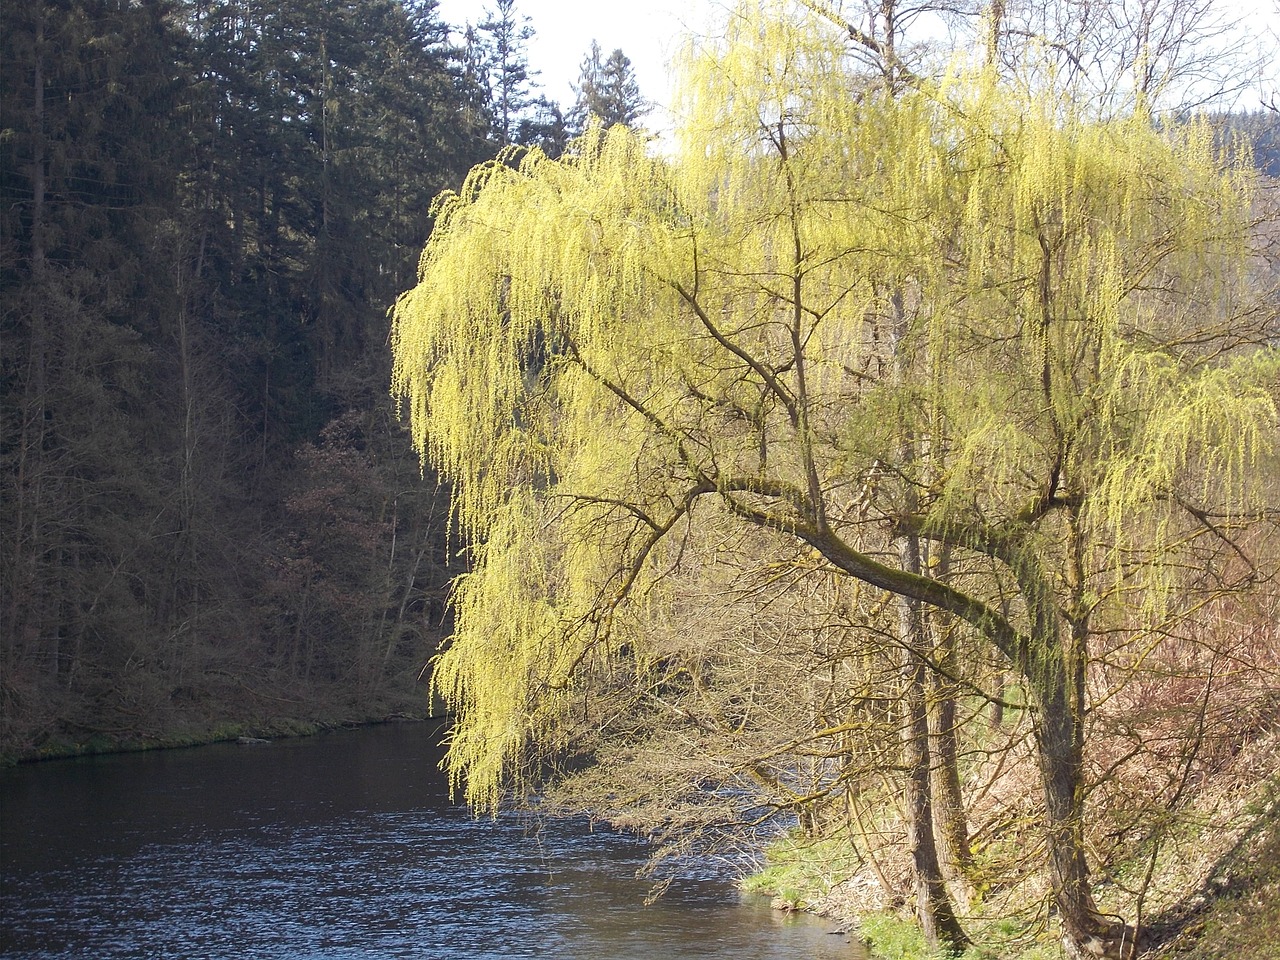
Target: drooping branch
column 1011, row 642
column 770, row 380
column 665, row 429
column 893, row 64
column 626, row 576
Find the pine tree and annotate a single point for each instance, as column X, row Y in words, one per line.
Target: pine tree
column 607, row 91
column 208, row 207
column 545, row 129
column 588, row 98
column 620, row 98
column 90, row 155
column 475, row 78
column 505, row 35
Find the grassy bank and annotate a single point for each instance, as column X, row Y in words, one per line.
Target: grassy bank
column 98, row 744
column 194, row 733
column 1210, row 890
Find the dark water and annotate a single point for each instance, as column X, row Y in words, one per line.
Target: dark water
column 338, row 846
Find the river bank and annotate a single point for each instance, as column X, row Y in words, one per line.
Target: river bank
column 1210, row 890
column 105, row 744
column 1230, row 915
column 195, row 733
column 1213, row 894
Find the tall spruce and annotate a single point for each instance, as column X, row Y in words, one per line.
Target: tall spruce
column 505, row 34
column 90, row 158
column 606, row 90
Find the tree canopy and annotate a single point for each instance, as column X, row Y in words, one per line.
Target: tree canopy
column 970, row 311
column 209, row 511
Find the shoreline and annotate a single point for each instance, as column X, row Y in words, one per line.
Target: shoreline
column 250, row 731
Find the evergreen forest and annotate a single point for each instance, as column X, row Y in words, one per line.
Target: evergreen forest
column 212, row 519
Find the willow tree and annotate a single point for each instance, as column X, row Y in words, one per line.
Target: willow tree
column 605, row 352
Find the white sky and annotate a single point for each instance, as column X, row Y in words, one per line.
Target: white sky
column 650, row 32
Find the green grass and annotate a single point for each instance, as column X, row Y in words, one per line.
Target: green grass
column 800, row 870
column 892, row 938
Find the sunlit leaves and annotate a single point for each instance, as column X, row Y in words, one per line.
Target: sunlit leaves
column 823, row 269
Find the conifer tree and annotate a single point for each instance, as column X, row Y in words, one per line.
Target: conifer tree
column 621, row 100
column 90, row 154
column 587, row 90
column 475, row 77
column 606, row 90
column 207, row 209
column 505, row 34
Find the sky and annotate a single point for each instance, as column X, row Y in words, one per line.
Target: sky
column 650, row 33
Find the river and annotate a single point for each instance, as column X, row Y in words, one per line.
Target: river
column 342, row 846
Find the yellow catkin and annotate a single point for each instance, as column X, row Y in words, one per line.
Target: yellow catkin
column 594, row 337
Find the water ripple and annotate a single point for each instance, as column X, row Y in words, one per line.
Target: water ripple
column 220, row 854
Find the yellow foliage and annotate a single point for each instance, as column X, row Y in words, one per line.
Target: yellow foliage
column 596, row 342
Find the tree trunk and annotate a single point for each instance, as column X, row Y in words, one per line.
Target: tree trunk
column 1059, row 728
column 948, row 800
column 949, row 818
column 1086, row 933
column 933, row 905
column 995, row 716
